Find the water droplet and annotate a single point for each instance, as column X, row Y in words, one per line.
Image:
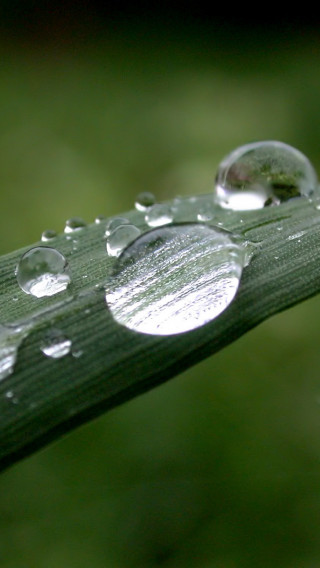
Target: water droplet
column 48, row 235
column 10, row 396
column 204, row 215
column 175, row 279
column 263, row 173
column 144, row 201
column 43, row 271
column 120, row 238
column 76, row 353
column 10, row 340
column 74, row 224
column 56, row 344
column 99, row 219
column 114, row 223
column 159, row 214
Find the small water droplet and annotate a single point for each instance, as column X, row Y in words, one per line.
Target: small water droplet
column 75, row 244
column 43, row 271
column 120, row 238
column 160, row 214
column 204, row 215
column 114, row 223
column 48, row 236
column 76, row 353
column 100, row 219
column 10, row 340
column 144, row 201
column 56, row 344
column 263, row 173
column 10, row 396
column 74, row 224
column 175, row 279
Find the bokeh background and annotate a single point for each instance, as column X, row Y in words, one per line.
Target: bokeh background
column 220, row 467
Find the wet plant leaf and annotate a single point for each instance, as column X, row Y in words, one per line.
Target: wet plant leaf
column 105, row 364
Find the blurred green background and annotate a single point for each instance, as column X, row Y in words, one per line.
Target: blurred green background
column 220, row 467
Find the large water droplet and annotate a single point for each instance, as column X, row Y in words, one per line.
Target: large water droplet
column 43, row 271
column 144, row 201
column 74, row 224
column 56, row 344
column 263, row 173
column 158, row 215
column 175, row 279
column 120, row 238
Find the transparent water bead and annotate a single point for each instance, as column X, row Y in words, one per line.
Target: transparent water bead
column 120, row 238
column 99, row 219
column 263, row 173
column 10, row 340
column 48, row 235
column 56, row 345
column 43, row 271
column 144, row 201
column 114, row 223
column 158, row 215
column 10, row 396
column 175, row 279
column 74, row 224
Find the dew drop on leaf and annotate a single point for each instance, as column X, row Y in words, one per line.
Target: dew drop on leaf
column 10, row 340
column 120, row 238
column 144, row 201
column 10, row 396
column 99, row 219
column 263, row 173
column 175, row 279
column 43, row 271
column 48, row 235
column 74, row 224
column 114, row 223
column 158, row 215
column 56, row 344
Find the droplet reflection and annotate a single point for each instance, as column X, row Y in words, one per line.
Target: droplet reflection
column 175, row 279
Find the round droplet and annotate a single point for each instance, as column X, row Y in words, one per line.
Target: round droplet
column 120, row 238
column 74, row 224
column 160, row 214
column 48, row 235
column 263, row 173
column 114, row 223
column 56, row 345
column 204, row 215
column 43, row 271
column 99, row 219
column 10, row 396
column 175, row 279
column 144, row 201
